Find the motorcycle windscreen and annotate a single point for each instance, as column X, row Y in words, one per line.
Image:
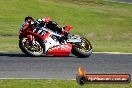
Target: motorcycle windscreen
column 61, row 50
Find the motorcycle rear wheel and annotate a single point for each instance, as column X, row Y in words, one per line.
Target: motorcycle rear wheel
column 83, row 49
column 30, row 50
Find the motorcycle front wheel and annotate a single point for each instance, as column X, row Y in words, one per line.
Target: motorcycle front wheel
column 83, row 49
column 30, row 49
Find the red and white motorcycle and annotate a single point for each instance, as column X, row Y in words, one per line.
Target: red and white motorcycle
column 36, row 41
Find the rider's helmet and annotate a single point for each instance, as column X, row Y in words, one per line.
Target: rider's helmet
column 28, row 18
column 46, row 19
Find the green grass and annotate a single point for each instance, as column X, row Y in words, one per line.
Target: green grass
column 107, row 25
column 55, row 84
column 9, row 43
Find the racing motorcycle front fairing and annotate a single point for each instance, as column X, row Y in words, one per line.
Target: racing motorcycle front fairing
column 64, row 49
column 60, row 50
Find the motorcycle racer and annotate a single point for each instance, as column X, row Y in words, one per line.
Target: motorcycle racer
column 43, row 36
column 52, row 25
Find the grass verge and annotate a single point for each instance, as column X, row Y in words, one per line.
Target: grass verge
column 55, row 84
column 9, row 43
column 106, row 24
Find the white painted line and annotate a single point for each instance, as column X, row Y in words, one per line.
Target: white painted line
column 112, row 52
column 4, row 51
column 92, row 52
column 34, row 79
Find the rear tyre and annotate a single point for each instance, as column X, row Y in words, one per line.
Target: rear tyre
column 83, row 49
column 28, row 49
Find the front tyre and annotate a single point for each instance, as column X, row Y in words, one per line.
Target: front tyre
column 29, row 49
column 83, row 49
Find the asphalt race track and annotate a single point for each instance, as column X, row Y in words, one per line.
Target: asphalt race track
column 128, row 1
column 18, row 65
